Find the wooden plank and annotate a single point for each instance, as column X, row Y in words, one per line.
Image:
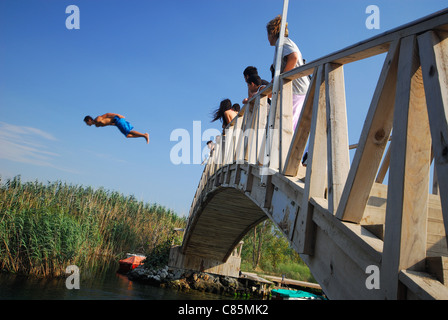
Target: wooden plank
column 282, row 131
column 249, row 179
column 422, row 286
column 434, row 60
column 251, row 148
column 361, row 245
column 229, row 144
column 300, row 137
column 407, row 205
column 286, row 281
column 262, row 131
column 336, row 267
column 237, row 176
column 315, row 180
column 418, row 160
column 338, row 153
column 272, row 153
column 374, row 137
column 384, row 167
column 436, row 242
column 237, row 132
column 286, row 121
column 248, row 129
column 269, row 191
column 219, row 152
column 255, row 277
column 240, row 145
column 236, row 137
column 438, row 266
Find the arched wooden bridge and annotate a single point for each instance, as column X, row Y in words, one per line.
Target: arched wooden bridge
column 361, row 236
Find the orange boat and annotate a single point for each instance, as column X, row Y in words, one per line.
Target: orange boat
column 130, row 263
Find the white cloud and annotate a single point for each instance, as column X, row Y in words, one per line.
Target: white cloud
column 27, row 145
column 108, row 157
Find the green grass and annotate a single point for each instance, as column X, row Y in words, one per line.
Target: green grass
column 46, row 227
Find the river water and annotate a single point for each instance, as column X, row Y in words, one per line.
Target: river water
column 107, row 295
column 108, row 286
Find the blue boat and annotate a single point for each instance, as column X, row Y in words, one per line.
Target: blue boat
column 285, row 294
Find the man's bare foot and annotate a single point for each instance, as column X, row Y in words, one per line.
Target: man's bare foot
column 147, row 137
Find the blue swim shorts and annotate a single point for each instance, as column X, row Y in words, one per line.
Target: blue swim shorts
column 122, row 125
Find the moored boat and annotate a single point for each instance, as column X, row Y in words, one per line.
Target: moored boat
column 286, row 294
column 131, row 262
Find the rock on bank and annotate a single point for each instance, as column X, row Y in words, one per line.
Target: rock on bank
column 194, row 280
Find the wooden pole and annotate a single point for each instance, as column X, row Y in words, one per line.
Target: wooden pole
column 275, row 91
column 407, row 194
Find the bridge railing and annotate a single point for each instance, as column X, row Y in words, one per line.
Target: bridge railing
column 411, row 98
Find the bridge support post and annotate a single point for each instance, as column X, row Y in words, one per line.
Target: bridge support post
column 372, row 143
column 315, row 176
column 229, row 268
column 407, row 205
column 433, row 54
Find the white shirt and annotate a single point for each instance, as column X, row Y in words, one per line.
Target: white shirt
column 300, row 85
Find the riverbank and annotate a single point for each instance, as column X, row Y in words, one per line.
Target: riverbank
column 188, row 280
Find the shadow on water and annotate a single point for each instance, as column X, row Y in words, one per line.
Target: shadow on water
column 108, row 285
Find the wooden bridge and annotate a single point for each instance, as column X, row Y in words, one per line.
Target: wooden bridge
column 362, row 237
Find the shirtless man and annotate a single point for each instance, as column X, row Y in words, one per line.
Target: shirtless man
column 114, row 119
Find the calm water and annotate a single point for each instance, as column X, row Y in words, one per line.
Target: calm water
column 110, row 286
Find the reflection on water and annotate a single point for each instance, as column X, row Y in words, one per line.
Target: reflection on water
column 110, row 286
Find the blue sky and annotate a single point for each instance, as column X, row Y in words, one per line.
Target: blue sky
column 164, row 65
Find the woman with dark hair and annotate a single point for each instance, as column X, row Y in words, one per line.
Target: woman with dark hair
column 225, row 113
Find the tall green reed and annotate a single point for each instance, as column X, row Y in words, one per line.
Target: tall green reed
column 46, row 227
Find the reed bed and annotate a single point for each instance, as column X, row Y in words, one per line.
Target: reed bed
column 46, row 227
